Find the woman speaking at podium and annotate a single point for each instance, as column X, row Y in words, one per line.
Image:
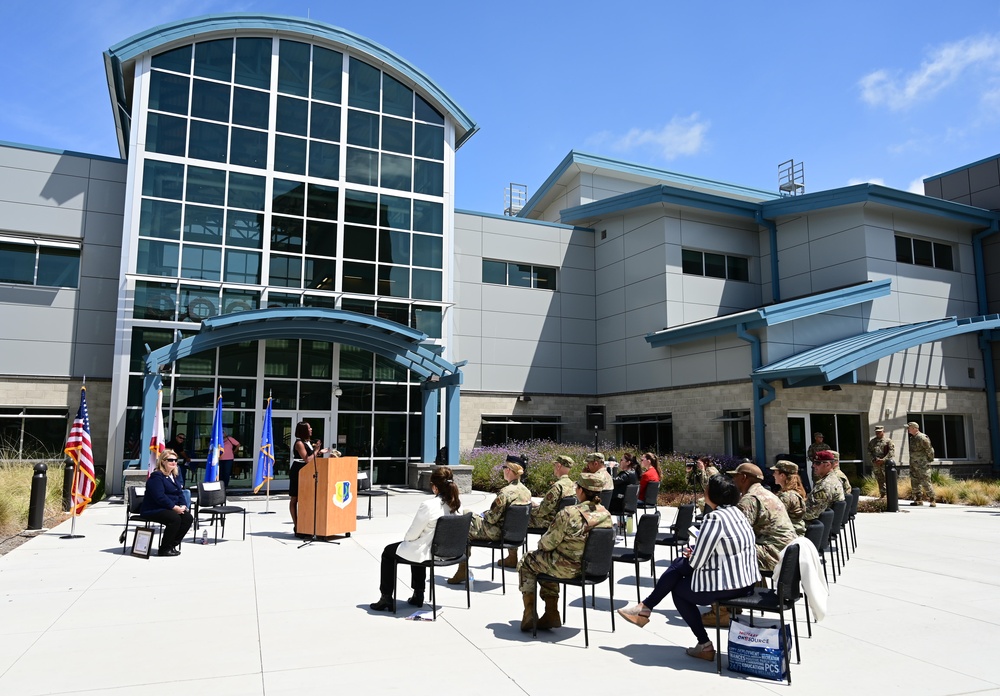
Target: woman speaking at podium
column 303, row 452
column 416, row 544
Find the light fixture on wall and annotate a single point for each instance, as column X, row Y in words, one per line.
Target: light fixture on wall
column 338, row 392
column 524, row 398
column 831, row 387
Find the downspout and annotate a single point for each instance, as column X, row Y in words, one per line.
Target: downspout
column 763, row 394
column 985, row 344
column 772, row 229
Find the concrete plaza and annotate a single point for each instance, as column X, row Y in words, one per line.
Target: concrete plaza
column 914, row 612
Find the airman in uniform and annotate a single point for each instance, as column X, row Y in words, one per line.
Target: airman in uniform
column 841, row 476
column 594, row 463
column 817, row 446
column 881, row 450
column 560, row 550
column 921, row 454
column 795, row 503
column 489, row 526
column 542, row 514
column 826, row 489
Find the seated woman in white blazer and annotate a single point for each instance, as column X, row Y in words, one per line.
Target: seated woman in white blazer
column 416, row 544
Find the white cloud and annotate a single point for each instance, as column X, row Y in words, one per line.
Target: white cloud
column 917, row 185
column 682, row 135
column 873, row 180
column 945, row 65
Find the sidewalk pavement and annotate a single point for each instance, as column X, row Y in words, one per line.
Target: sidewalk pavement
column 914, row 612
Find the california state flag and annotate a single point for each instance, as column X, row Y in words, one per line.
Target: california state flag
column 156, row 441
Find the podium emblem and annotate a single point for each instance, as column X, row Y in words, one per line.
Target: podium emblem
column 342, row 494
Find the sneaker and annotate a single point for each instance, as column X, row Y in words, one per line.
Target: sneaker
column 636, row 613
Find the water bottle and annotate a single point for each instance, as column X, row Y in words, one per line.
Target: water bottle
column 472, row 581
column 204, row 536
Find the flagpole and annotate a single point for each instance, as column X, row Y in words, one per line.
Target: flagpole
column 76, row 493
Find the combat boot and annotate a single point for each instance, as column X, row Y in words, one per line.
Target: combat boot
column 460, row 575
column 528, row 618
column 708, row 618
column 510, row 561
column 550, row 619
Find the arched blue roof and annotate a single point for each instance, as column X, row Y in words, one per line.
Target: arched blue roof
column 212, row 26
column 401, row 344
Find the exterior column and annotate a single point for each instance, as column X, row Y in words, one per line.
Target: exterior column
column 452, row 426
column 429, row 406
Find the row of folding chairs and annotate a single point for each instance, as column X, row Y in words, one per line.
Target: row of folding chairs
column 210, row 502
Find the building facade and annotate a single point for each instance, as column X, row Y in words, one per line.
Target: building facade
column 270, row 163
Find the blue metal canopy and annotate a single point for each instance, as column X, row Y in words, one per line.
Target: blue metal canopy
column 833, row 360
column 772, row 314
column 403, row 345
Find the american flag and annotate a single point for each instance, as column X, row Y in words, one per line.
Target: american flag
column 80, row 450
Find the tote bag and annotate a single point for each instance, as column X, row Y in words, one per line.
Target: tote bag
column 758, row 650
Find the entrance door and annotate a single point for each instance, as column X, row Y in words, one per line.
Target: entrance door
column 284, row 423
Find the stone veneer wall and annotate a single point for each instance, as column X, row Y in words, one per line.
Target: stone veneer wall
column 42, row 392
column 695, row 410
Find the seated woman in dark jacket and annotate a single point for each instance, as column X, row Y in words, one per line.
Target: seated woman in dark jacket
column 625, row 477
column 165, row 502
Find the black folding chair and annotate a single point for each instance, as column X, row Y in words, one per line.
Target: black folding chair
column 212, row 501
column 782, row 598
column 513, row 533
column 448, row 548
column 365, row 490
column 644, row 549
column 630, row 504
column 564, row 502
column 595, row 568
column 680, row 535
column 652, row 494
column 133, row 513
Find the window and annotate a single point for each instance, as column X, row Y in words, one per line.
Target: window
column 498, row 430
column 947, row 433
column 739, row 441
column 921, row 252
column 37, row 263
column 520, row 275
column 649, row 433
column 33, row 433
column 711, row 265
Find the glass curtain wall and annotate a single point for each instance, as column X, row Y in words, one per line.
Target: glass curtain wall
column 278, row 173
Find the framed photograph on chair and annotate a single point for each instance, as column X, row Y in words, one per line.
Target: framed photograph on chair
column 142, row 543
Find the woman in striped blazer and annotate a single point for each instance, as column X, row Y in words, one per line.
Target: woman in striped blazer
column 721, row 565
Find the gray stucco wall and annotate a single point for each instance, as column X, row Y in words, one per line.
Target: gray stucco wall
column 62, row 197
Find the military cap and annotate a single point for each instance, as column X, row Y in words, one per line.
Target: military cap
column 590, row 482
column 879, row 428
column 786, row 467
column 751, row 470
column 817, row 434
column 913, row 424
column 564, row 460
column 594, row 457
column 826, row 456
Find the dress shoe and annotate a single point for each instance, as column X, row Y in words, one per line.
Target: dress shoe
column 417, row 600
column 383, row 604
column 702, row 651
column 170, row 552
column 636, row 613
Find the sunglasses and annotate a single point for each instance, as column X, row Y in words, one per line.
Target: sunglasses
column 174, row 459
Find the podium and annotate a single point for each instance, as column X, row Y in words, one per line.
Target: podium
column 336, row 501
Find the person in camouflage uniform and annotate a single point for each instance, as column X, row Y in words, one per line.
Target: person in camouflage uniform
column 826, row 489
column 489, row 526
column 841, row 476
column 921, row 454
column 881, row 450
column 594, row 463
column 772, row 529
column 699, row 471
column 560, row 551
column 792, row 494
column 542, row 514
column 817, row 446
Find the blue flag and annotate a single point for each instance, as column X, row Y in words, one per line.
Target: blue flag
column 215, row 445
column 265, row 458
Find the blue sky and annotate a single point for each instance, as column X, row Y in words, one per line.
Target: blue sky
column 889, row 92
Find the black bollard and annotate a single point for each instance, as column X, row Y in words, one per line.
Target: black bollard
column 68, row 485
column 36, row 503
column 891, row 490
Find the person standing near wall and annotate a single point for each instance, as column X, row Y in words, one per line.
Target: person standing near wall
column 229, row 443
column 882, row 450
column 921, row 455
